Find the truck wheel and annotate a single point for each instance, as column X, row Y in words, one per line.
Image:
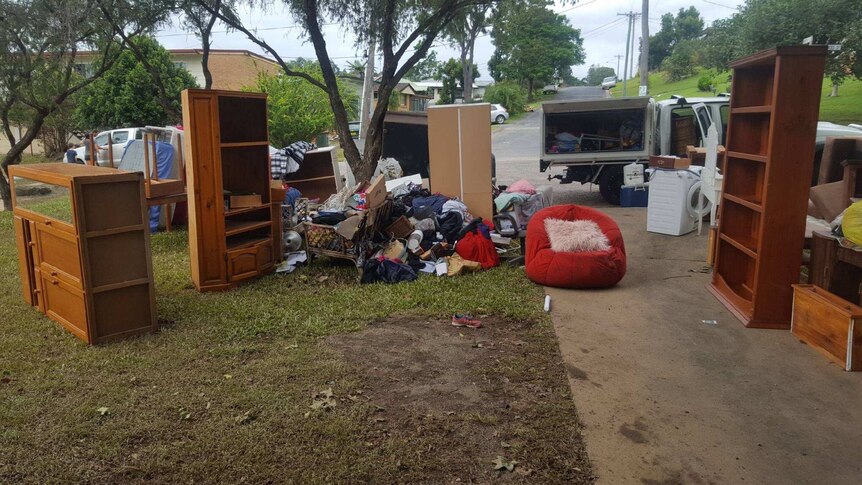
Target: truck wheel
column 609, row 184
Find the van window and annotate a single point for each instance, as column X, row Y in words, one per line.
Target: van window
column 118, row 137
column 683, row 130
column 724, row 111
column 139, row 135
column 102, row 139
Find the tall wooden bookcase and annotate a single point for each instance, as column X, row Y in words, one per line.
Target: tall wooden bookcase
column 84, row 249
column 227, row 142
column 774, row 107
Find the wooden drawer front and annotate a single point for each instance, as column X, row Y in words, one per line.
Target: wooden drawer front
column 264, row 256
column 58, row 252
column 242, row 263
column 65, row 304
column 25, row 260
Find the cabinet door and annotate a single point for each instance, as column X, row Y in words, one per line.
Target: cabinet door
column 264, row 256
column 65, row 304
column 25, row 260
column 242, row 263
column 58, row 254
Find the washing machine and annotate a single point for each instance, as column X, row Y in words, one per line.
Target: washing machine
column 672, row 206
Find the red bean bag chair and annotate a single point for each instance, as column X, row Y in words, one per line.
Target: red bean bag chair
column 589, row 269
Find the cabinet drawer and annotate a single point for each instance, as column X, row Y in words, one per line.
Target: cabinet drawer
column 242, row 263
column 65, row 304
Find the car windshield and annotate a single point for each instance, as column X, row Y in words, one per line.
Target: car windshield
column 119, row 137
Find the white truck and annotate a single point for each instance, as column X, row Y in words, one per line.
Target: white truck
column 593, row 139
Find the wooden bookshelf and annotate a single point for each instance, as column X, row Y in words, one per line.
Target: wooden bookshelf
column 770, row 157
column 227, row 142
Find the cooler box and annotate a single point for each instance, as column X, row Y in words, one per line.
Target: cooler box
column 634, row 195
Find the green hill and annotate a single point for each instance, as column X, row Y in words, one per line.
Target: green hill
column 845, row 108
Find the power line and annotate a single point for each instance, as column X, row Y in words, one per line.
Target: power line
column 577, row 6
column 719, row 4
column 603, row 28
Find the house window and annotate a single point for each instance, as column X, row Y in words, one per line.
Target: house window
column 85, row 70
column 403, row 100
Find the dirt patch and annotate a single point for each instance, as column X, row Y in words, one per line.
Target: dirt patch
column 466, row 396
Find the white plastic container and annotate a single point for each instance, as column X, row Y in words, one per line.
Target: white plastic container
column 633, row 174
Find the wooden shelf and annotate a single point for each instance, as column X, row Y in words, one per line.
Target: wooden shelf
column 747, row 249
column 240, row 242
column 243, row 210
column 747, row 156
column 232, row 227
column 242, row 144
column 744, row 202
column 751, row 110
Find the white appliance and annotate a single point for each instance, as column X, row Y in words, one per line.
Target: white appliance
column 673, row 203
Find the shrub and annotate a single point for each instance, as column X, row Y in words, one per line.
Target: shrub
column 509, row 93
column 705, row 82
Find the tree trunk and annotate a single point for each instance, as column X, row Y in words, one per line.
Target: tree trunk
column 834, row 89
column 466, row 75
column 13, row 157
column 530, row 89
column 374, row 141
column 205, row 61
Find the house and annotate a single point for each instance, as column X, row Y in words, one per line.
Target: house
column 432, row 88
column 408, row 98
column 230, row 68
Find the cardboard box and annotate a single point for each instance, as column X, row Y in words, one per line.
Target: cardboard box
column 830, row 324
column 375, row 192
column 240, row 201
column 669, row 162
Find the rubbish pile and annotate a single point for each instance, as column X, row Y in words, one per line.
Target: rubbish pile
column 393, row 229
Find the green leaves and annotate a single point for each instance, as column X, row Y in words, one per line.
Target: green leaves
column 298, row 110
column 502, row 463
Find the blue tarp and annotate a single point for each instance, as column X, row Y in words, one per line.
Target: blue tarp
column 133, row 161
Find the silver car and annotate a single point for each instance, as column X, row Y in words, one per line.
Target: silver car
column 609, row 82
column 499, row 114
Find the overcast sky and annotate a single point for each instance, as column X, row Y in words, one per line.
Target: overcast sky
column 604, row 32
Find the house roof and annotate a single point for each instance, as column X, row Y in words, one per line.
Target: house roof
column 241, row 52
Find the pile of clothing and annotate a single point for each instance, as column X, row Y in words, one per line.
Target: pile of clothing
column 519, row 202
column 288, row 159
column 430, row 233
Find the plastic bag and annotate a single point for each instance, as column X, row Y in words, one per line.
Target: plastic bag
column 852, row 223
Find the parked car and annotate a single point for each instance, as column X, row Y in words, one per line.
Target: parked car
column 550, row 89
column 119, row 138
column 354, row 129
column 609, row 82
column 499, row 114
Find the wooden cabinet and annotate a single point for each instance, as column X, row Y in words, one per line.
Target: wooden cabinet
column 770, row 158
column 227, row 143
column 84, row 248
column 459, row 141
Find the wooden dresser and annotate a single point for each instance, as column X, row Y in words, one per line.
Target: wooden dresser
column 84, row 248
column 227, row 142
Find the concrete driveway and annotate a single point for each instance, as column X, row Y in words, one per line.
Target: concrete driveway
column 666, row 398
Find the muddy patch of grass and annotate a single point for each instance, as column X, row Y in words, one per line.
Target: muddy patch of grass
column 450, row 401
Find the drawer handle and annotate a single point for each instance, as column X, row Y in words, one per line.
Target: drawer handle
column 55, row 282
column 48, row 223
column 53, row 273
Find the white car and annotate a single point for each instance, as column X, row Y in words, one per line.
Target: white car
column 609, row 82
column 499, row 114
column 550, row 89
column 119, row 139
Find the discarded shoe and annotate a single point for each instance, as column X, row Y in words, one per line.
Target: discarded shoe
column 465, row 320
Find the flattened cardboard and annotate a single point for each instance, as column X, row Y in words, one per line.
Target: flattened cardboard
column 669, row 162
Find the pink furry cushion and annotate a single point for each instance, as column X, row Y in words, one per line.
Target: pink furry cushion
column 575, row 236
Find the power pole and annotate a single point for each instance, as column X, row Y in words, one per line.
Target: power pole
column 617, row 72
column 628, row 42
column 634, row 28
column 367, row 105
column 644, row 66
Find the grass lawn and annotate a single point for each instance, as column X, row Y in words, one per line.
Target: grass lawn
column 845, row 108
column 223, row 393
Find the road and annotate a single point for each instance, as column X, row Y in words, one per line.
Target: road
column 516, row 146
